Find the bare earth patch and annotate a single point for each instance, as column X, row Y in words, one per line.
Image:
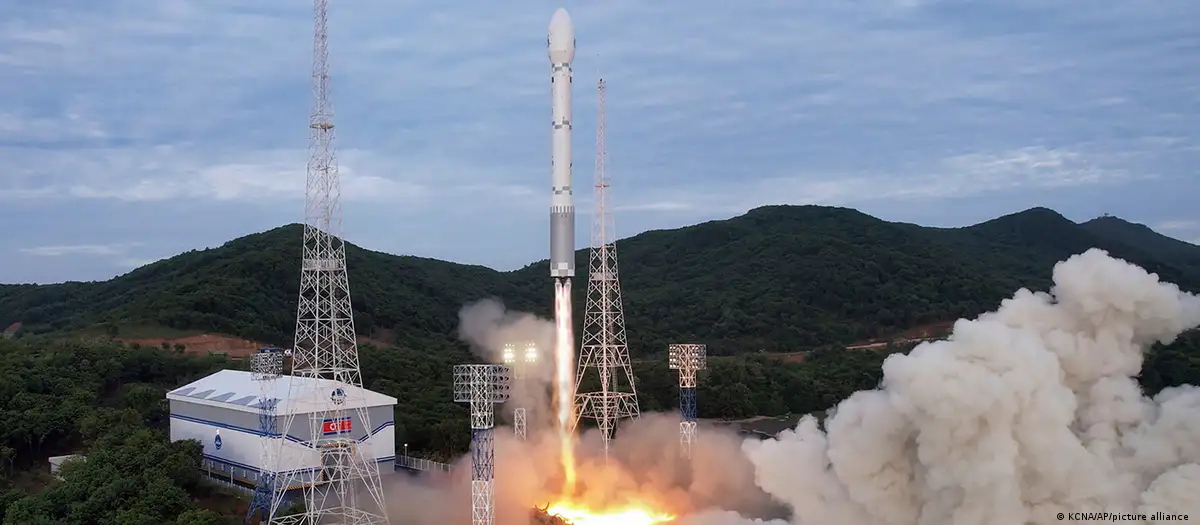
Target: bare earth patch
column 203, row 344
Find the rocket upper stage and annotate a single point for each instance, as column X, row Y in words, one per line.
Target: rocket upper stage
column 562, row 37
column 561, row 49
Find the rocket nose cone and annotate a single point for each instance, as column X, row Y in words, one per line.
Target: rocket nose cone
column 561, row 21
column 562, row 37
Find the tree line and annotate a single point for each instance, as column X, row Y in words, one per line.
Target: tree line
column 107, row 400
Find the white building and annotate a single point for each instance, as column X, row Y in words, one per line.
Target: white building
column 56, row 463
column 222, row 411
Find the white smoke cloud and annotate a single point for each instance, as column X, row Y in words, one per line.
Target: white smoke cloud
column 487, row 326
column 1024, row 413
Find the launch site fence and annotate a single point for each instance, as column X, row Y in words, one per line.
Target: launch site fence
column 421, row 464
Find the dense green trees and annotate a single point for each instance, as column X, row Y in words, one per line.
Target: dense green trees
column 776, row 279
column 107, row 401
column 130, row 476
column 779, row 278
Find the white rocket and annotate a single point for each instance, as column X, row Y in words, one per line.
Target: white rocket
column 561, row 43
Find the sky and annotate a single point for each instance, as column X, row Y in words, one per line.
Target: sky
column 134, row 130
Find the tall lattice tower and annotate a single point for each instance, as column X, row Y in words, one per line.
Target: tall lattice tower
column 687, row 359
column 482, row 386
column 334, row 466
column 604, row 350
column 265, row 368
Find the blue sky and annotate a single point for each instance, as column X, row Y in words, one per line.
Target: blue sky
column 132, row 130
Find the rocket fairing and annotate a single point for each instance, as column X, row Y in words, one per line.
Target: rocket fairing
column 561, row 44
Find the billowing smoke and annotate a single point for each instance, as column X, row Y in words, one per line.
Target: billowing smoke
column 1024, row 413
column 487, row 326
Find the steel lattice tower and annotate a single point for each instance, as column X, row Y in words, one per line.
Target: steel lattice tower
column 604, row 349
column 520, row 373
column 482, row 386
column 687, row 359
column 326, row 383
column 265, row 368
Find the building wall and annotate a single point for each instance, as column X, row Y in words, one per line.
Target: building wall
column 240, row 454
column 56, row 462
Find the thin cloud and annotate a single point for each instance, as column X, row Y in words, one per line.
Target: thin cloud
column 958, row 176
column 1180, row 225
column 79, row 249
column 133, row 263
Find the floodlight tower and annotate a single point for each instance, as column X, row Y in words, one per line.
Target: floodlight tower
column 520, row 374
column 265, row 368
column 482, row 386
column 326, row 383
column 687, row 359
column 509, row 356
column 604, row 347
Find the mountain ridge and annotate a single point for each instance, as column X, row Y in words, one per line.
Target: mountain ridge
column 777, row 278
column 1094, row 225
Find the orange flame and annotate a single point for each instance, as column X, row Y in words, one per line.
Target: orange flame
column 632, row 515
column 564, row 402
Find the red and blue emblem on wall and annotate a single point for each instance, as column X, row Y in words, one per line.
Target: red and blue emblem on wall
column 336, row 426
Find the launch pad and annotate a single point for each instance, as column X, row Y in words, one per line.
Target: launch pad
column 540, row 516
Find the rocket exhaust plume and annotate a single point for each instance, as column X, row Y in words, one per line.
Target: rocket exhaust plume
column 564, row 376
column 561, row 50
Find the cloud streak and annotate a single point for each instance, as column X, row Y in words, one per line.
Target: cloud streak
column 79, row 249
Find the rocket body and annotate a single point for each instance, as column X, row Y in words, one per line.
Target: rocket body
column 561, row 43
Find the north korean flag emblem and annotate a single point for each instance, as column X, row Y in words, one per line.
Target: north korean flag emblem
column 336, row 426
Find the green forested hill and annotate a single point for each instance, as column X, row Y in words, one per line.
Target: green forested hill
column 247, row 287
column 778, row 278
column 1143, row 238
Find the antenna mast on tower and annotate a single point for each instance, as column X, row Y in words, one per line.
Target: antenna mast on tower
column 604, row 348
column 333, row 464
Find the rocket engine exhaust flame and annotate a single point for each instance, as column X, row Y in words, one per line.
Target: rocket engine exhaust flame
column 564, row 357
column 632, row 515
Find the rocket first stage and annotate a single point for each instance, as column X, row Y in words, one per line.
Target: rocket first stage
column 562, row 208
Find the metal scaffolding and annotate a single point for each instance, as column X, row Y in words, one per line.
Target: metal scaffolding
column 604, row 352
column 265, row 368
column 482, row 387
column 326, row 377
column 687, row 359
